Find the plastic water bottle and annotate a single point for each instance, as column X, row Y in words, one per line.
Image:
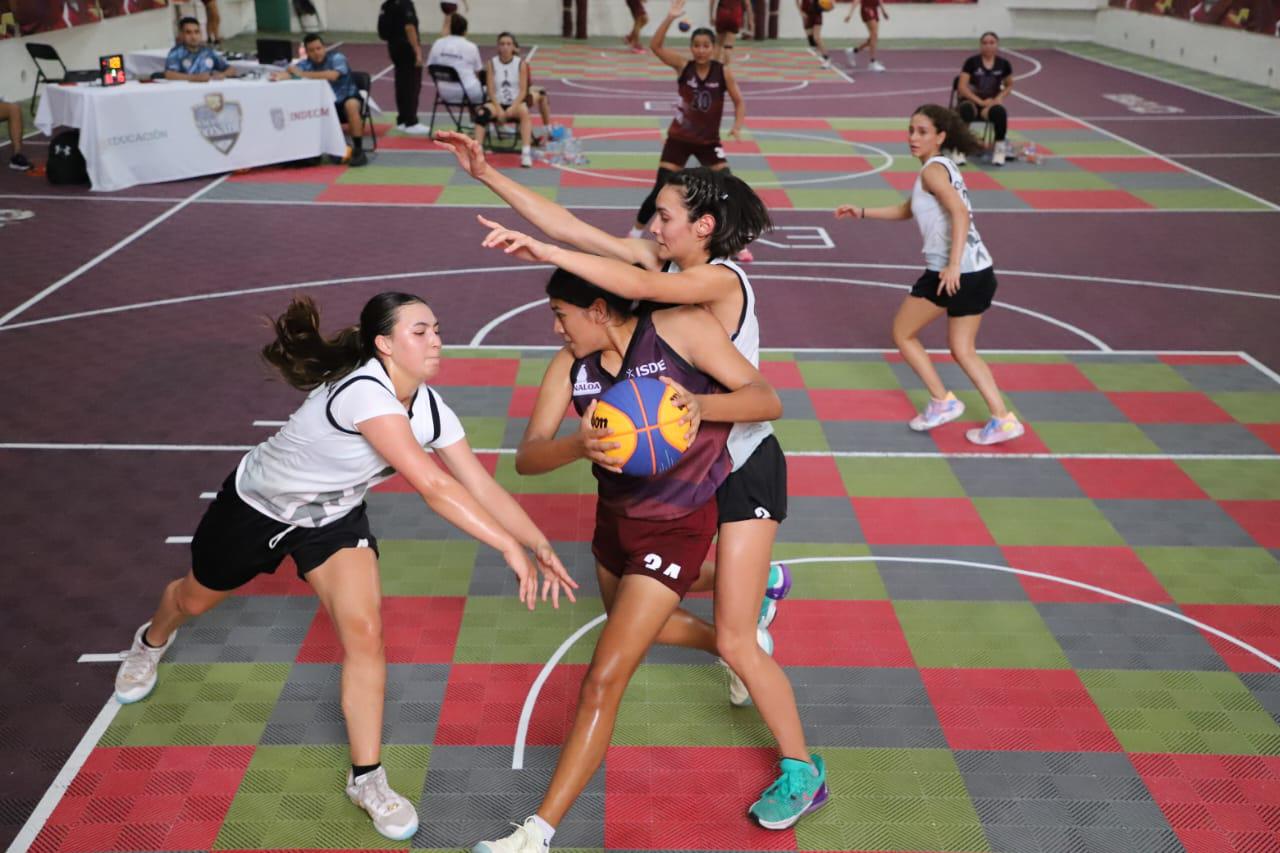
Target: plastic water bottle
column 1030, row 154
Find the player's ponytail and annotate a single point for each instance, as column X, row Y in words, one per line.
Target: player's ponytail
column 947, row 121
column 306, row 359
column 739, row 213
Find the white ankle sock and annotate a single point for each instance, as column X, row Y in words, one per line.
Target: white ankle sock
column 547, row 829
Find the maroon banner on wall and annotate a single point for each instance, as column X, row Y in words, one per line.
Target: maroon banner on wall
column 1255, row 16
column 29, row 17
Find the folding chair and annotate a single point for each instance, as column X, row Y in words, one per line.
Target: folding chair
column 363, row 87
column 45, row 53
column 460, row 111
column 988, row 129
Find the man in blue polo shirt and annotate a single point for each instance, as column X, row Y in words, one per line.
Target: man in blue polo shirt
column 192, row 60
column 323, row 64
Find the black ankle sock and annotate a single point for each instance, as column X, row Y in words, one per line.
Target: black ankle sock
column 358, row 770
column 148, row 644
column 357, row 143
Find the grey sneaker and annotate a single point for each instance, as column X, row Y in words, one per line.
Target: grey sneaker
column 739, row 695
column 137, row 675
column 393, row 816
column 527, row 838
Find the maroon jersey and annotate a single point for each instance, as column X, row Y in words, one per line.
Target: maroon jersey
column 701, row 105
column 693, row 480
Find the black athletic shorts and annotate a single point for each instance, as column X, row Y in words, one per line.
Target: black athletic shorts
column 977, row 289
column 758, row 489
column 235, row 543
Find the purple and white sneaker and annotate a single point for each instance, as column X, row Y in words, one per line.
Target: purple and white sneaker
column 937, row 413
column 997, row 430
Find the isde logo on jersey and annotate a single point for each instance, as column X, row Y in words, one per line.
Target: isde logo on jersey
column 582, row 385
column 651, row 368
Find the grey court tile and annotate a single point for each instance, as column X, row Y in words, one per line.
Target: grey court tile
column 1205, row 438
column 1155, row 181
column 492, row 576
column 479, row 401
column 514, row 429
column 926, row 581
column 1190, row 523
column 528, row 177
column 1066, row 406
column 471, row 793
column 796, row 404
column 309, row 710
column 812, row 519
column 1111, row 358
column 952, row 375
column 1226, row 377
column 997, row 200
column 596, row 197
column 1125, row 636
column 276, row 192
column 402, row 515
column 1015, row 478
column 1265, row 687
column 874, row 436
column 247, row 629
column 865, row 707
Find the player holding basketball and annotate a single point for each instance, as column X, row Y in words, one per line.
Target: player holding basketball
column 728, row 17
column 959, row 279
column 300, row 494
column 871, row 11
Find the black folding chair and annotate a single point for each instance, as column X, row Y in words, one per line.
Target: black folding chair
column 363, row 87
column 988, row 129
column 46, row 57
column 463, row 112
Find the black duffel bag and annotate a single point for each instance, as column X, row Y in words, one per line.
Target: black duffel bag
column 66, row 164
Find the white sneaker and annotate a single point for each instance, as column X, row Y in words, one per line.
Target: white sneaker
column 417, row 129
column 957, row 156
column 876, row 65
column 526, row 158
column 527, row 838
column 137, row 675
column 999, row 153
column 393, row 816
column 852, row 56
column 739, row 696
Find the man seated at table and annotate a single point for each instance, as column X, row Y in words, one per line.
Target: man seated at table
column 330, row 65
column 193, row 60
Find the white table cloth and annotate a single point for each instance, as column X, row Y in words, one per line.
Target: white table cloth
column 143, row 133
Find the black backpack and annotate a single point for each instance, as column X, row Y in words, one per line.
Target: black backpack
column 66, row 163
column 391, row 21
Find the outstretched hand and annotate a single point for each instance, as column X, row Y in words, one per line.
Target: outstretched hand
column 470, row 153
column 677, row 9
column 849, row 211
column 515, row 243
column 555, row 576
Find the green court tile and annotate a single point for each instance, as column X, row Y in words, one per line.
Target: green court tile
column 202, row 705
column 684, row 705
column 1215, row 575
column 797, row 435
column 974, row 405
column 869, row 124
column 1040, row 179
column 851, row 375
column 531, row 370
column 1025, row 358
column 770, row 144
column 1071, row 437
column 294, row 797
column 899, row 478
column 584, row 121
column 904, row 163
column 478, row 196
column 1211, row 198
column 844, row 581
column 893, row 799
column 830, row 199
column 398, row 175
column 1234, row 480
column 484, row 432
column 757, row 177
column 1112, row 376
column 426, row 567
column 502, row 630
column 985, row 635
column 606, row 161
column 1196, row 712
column 776, row 355
column 1046, row 521
column 574, row 479
column 1250, row 407
column 477, row 352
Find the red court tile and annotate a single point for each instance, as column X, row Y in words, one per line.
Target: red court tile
column 743, row 146
column 1040, row 377
column 920, row 521
column 814, row 476
column 403, row 143
column 382, row 193
column 1270, row 433
column 1006, row 709
column 1116, row 569
column 875, row 135
column 415, row 629
column 285, row 581
column 1260, row 518
column 1082, row 200
column 613, row 178
column 477, row 371
column 840, row 633
column 951, row 439
column 1133, row 479
column 841, row 405
column 905, row 181
column 775, row 197
column 1169, row 407
column 146, row 798
column 1216, row 802
column 522, row 399
column 483, row 703
column 792, row 163
column 1123, row 164
column 1225, row 358
column 563, row 518
column 277, row 175
column 649, row 791
column 1255, row 624
column 782, row 374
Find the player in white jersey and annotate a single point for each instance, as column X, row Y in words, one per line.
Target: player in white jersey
column 959, row 279
column 510, row 94
column 300, row 494
column 703, row 218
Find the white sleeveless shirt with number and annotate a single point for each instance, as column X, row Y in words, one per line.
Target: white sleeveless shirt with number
column 935, row 224
column 744, row 438
column 505, row 80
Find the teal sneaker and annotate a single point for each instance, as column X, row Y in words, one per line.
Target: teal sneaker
column 778, row 587
column 802, row 788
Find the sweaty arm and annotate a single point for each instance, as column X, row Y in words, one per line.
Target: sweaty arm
column 701, row 340
column 704, row 284
column 540, row 450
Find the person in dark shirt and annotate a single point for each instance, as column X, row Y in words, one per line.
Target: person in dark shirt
column 406, row 55
column 331, row 66
column 985, row 81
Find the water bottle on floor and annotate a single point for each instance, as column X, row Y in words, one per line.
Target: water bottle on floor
column 1030, row 154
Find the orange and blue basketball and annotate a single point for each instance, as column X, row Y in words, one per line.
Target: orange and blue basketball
column 645, row 425
column 826, row 5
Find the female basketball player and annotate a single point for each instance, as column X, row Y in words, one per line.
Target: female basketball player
column 301, row 493
column 959, row 279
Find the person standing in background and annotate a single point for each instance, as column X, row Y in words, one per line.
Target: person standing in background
column 398, row 27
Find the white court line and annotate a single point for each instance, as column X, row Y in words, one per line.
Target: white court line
column 142, row 448
column 103, row 657
column 829, row 65
column 1165, row 80
column 1262, row 368
column 1042, row 105
column 177, row 540
column 208, row 496
column 102, row 256
column 531, row 699
column 1180, row 117
column 382, row 73
column 532, row 51
column 269, row 423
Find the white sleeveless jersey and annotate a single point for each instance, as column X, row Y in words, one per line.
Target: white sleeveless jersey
column 744, row 438
column 935, row 224
column 504, row 83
